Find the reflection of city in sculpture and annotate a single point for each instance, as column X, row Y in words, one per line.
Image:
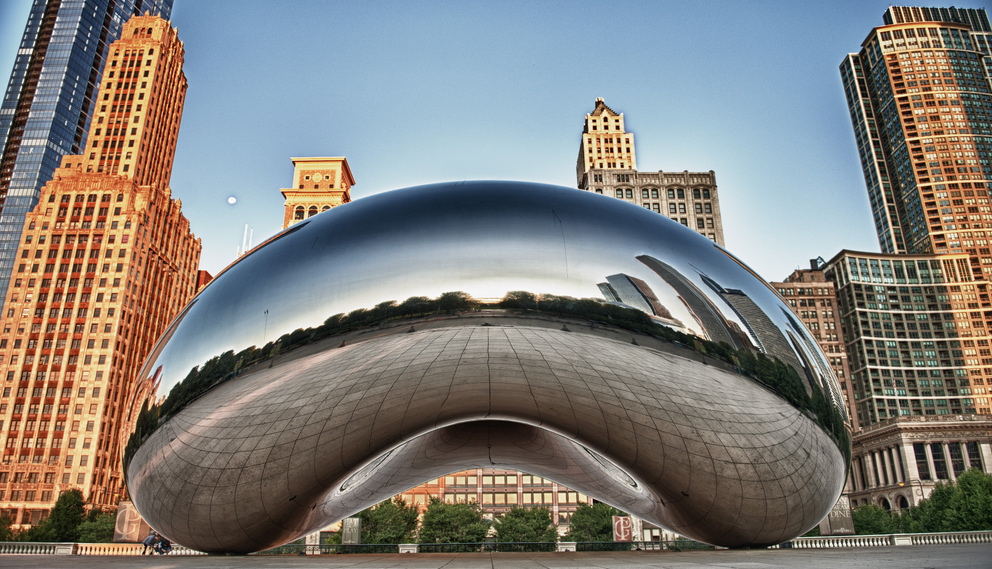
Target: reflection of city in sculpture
column 299, row 387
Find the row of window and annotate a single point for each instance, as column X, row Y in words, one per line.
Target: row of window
column 50, row 391
column 510, row 498
column 674, row 193
column 29, row 495
column 495, row 480
column 301, row 212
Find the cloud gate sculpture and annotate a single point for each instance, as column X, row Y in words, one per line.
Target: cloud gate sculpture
column 414, row 333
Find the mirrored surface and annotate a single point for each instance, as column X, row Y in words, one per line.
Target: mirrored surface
column 443, row 256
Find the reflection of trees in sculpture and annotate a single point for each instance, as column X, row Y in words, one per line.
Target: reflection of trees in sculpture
column 781, row 378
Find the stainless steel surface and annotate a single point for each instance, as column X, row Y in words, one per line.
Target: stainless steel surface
column 330, row 414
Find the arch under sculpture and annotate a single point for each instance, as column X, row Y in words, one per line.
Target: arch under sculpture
column 415, row 333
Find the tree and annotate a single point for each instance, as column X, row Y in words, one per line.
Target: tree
column 392, row 521
column 519, row 299
column 452, row 523
column 592, row 523
column 870, row 519
column 6, row 534
column 525, row 525
column 964, row 505
column 98, row 527
column 454, row 301
column 63, row 523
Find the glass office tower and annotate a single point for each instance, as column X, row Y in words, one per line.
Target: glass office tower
column 49, row 100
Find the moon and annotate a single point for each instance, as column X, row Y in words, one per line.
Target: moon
column 232, row 200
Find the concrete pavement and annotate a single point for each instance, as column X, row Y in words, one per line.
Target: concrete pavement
column 970, row 556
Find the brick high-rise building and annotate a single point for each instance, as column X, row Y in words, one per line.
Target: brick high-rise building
column 106, row 260
column 50, row 100
column 607, row 165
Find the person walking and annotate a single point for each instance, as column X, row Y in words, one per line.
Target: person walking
column 149, row 543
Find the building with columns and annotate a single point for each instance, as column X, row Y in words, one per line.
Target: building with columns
column 105, row 262
column 898, row 462
column 607, row 165
column 318, row 185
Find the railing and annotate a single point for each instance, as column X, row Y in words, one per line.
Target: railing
column 30, row 548
column 60, row 548
column 950, row 537
column 825, row 542
column 942, row 538
column 821, row 542
column 127, row 549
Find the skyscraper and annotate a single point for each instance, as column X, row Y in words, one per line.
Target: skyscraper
column 106, row 260
column 919, row 94
column 49, row 101
column 607, row 164
column 916, row 317
column 921, row 105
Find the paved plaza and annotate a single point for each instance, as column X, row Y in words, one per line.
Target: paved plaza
column 971, row 556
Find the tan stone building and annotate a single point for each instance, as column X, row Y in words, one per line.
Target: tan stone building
column 897, row 462
column 607, row 165
column 106, row 260
column 318, row 185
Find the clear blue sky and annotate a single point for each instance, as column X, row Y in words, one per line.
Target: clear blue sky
column 414, row 92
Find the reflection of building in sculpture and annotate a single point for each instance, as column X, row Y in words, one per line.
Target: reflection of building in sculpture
column 106, row 260
column 318, row 185
column 607, row 164
column 496, row 490
column 635, row 293
column 766, row 334
column 813, row 299
column 64, row 46
column 712, row 323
